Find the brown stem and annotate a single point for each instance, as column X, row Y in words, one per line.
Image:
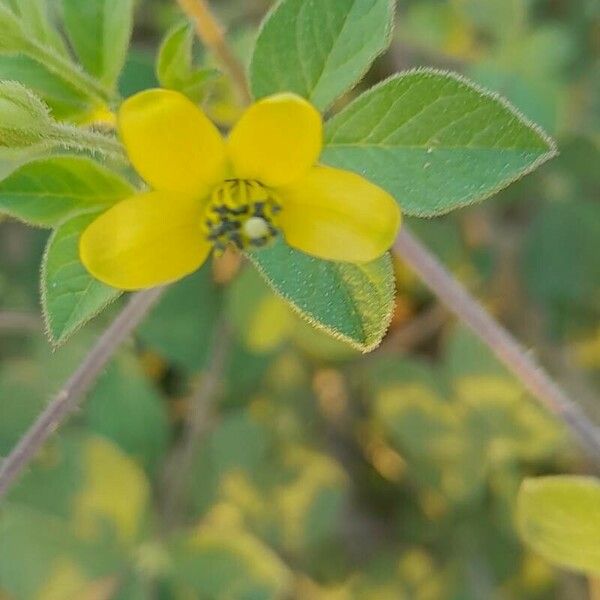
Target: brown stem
column 68, row 399
column 212, row 36
column 19, row 321
column 499, row 340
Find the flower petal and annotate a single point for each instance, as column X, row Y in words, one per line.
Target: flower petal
column 145, row 241
column 277, row 140
column 171, row 142
column 338, row 215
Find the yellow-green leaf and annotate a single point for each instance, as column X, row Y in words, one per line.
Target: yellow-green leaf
column 559, row 517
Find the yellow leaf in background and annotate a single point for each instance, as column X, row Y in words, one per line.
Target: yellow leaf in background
column 559, row 517
column 587, row 351
column 271, row 323
column 115, row 492
column 68, row 582
column 316, row 472
column 221, row 536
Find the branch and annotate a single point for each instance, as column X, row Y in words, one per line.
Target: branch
column 68, row 399
column 19, row 321
column 210, row 32
column 518, row 361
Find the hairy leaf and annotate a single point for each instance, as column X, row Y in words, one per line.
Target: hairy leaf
column 70, row 295
column 319, row 48
column 45, row 192
column 351, row 302
column 435, row 141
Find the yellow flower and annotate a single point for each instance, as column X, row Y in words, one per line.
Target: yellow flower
column 208, row 192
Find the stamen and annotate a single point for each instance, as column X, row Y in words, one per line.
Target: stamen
column 243, row 213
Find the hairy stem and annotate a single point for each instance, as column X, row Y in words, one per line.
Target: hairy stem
column 82, row 138
column 499, row 340
column 68, row 399
column 71, row 73
column 212, row 36
column 179, row 463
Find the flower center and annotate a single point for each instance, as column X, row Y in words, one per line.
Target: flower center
column 242, row 212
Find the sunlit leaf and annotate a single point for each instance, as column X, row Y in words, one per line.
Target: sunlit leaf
column 560, row 518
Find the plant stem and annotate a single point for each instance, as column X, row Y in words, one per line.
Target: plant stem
column 210, row 32
column 68, row 399
column 19, row 321
column 179, row 463
column 499, row 340
column 83, row 138
column 71, row 73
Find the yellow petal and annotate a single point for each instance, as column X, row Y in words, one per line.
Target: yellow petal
column 145, row 241
column 171, row 143
column 338, row 215
column 277, row 140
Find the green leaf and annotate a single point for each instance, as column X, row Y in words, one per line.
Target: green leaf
column 63, row 99
column 70, row 295
column 100, row 31
column 13, row 37
column 351, row 302
column 319, row 48
column 45, row 192
column 175, row 65
column 126, row 408
column 221, row 562
column 561, row 270
column 560, row 518
column 35, row 17
column 435, row 141
column 181, row 326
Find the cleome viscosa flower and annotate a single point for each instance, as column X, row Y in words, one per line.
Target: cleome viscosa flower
column 208, row 192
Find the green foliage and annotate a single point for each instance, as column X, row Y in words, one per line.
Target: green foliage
column 352, row 302
column 64, row 100
column 37, row 22
column 24, row 119
column 13, row 36
column 435, row 141
column 70, row 295
column 219, row 561
column 319, row 49
column 560, row 518
column 317, row 474
column 45, row 192
column 128, row 409
column 175, row 67
column 552, row 277
column 180, row 327
column 100, row 31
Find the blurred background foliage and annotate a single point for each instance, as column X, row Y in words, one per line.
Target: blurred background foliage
column 310, row 471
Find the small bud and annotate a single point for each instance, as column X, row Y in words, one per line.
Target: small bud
column 24, row 119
